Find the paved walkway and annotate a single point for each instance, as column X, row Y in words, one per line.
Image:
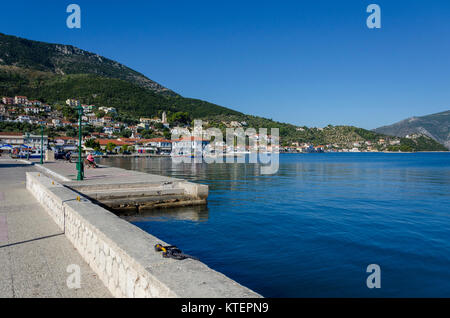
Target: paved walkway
column 34, row 254
column 104, row 174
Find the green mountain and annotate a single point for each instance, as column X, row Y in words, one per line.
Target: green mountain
column 56, row 72
column 53, row 73
column 435, row 126
column 66, row 60
column 130, row 99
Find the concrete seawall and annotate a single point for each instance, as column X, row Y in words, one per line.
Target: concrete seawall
column 127, row 190
column 123, row 255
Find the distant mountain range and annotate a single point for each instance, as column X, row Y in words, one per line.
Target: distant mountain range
column 435, row 126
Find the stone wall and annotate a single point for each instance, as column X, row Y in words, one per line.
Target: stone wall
column 122, row 254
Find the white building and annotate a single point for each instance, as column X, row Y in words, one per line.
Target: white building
column 20, row 100
column 24, row 119
column 108, row 110
column 189, row 145
column 88, row 108
column 162, row 145
column 73, row 102
column 32, row 110
column 34, row 141
column 108, row 130
column 56, row 122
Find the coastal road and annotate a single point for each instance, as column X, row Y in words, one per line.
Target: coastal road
column 34, row 253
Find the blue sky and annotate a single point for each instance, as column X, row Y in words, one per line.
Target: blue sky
column 309, row 62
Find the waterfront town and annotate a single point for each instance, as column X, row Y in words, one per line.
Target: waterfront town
column 104, row 133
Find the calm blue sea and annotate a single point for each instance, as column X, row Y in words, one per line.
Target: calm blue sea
column 312, row 229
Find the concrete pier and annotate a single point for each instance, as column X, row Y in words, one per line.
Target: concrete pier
column 34, row 252
column 50, row 226
column 123, row 255
column 127, row 190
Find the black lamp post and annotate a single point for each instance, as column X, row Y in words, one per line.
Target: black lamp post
column 80, row 167
column 27, row 134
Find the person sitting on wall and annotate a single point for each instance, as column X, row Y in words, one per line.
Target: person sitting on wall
column 89, row 161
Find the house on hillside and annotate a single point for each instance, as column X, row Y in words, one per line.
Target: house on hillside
column 73, row 102
column 108, row 110
column 8, row 100
column 24, row 119
column 20, row 100
column 32, row 110
column 88, row 108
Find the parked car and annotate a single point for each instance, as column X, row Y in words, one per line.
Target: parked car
column 97, row 153
column 60, row 155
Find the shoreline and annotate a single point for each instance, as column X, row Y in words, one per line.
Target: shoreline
column 282, row 153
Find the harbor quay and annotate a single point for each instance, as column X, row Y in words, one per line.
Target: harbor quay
column 50, row 223
column 126, row 190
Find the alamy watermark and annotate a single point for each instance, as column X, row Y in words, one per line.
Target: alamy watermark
column 374, row 279
column 74, row 279
column 208, row 146
column 74, row 19
column 374, row 19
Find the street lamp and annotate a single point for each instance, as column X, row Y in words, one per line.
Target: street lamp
column 80, row 167
column 42, row 144
column 27, row 134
